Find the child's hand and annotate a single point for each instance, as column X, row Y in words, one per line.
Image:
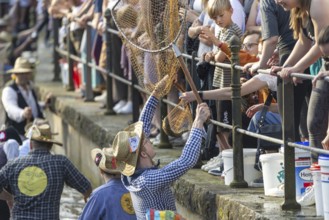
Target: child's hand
column 209, row 57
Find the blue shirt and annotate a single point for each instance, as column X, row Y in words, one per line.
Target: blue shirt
column 109, row 201
column 151, row 187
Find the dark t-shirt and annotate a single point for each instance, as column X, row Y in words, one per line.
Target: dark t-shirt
column 275, row 22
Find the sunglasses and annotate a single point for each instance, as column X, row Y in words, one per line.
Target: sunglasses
column 248, row 45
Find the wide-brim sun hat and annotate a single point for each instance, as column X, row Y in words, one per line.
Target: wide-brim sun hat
column 41, row 133
column 126, row 147
column 21, row 66
column 104, row 159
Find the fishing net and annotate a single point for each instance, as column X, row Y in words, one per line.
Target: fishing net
column 179, row 119
column 150, row 30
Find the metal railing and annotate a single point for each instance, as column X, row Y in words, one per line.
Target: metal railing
column 238, row 179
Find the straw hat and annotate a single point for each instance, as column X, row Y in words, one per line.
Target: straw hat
column 21, row 66
column 5, row 36
column 105, row 160
column 36, row 121
column 41, row 133
column 126, row 146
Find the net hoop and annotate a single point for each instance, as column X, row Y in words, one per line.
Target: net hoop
column 139, row 47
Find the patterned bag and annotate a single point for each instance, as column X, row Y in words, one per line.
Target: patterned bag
column 153, row 214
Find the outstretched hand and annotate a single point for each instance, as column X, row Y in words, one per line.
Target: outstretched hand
column 188, row 96
column 202, row 115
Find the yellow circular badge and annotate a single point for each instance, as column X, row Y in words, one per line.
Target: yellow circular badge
column 32, row 181
column 127, row 204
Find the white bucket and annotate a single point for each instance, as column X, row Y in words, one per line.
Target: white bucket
column 315, row 169
column 250, row 173
column 273, row 171
column 302, row 170
column 303, row 175
column 324, row 163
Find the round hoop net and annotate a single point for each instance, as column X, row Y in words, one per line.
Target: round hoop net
column 148, row 29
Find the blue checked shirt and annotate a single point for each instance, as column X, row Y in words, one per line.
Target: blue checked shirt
column 150, row 188
column 36, row 182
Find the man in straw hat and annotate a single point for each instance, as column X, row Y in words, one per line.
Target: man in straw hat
column 111, row 200
column 19, row 98
column 149, row 185
column 36, row 181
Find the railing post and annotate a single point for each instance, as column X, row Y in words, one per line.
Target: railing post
column 238, row 169
column 290, row 202
column 109, row 66
column 56, row 57
column 70, row 62
column 89, row 91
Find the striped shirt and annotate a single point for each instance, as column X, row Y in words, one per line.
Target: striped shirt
column 222, row 77
column 150, row 188
column 36, row 182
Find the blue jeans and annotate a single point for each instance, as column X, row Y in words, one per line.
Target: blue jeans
column 270, row 118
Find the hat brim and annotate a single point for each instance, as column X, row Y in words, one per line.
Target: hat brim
column 102, row 163
column 128, row 167
column 47, row 141
column 20, row 70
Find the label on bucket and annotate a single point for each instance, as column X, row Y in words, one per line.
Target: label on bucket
column 303, row 174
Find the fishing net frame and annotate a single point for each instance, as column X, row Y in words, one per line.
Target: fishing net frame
column 166, row 24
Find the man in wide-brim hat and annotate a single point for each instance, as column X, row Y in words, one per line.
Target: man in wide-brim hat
column 111, row 200
column 37, row 180
column 19, row 98
column 134, row 153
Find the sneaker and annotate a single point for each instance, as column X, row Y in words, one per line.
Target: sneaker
column 126, row 109
column 208, row 163
column 217, row 171
column 119, row 105
column 101, row 98
column 308, row 197
column 211, row 161
column 258, row 182
column 217, row 163
column 277, row 191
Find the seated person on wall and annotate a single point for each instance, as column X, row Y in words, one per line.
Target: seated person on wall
column 36, row 181
column 148, row 184
column 111, row 200
column 19, row 98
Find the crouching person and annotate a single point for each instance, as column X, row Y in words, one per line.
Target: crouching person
column 148, row 184
column 111, row 200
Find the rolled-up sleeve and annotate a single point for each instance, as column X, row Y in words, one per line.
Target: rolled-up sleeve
column 9, row 101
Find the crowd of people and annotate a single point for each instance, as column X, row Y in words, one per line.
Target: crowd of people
column 284, row 36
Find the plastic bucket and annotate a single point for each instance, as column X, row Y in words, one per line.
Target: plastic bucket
column 324, row 164
column 250, row 173
column 303, row 173
column 273, row 171
column 315, row 170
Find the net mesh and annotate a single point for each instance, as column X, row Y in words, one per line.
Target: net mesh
column 178, row 121
column 148, row 28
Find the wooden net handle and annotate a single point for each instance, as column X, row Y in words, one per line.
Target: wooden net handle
column 186, row 72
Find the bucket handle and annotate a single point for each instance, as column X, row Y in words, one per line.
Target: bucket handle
column 226, row 171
